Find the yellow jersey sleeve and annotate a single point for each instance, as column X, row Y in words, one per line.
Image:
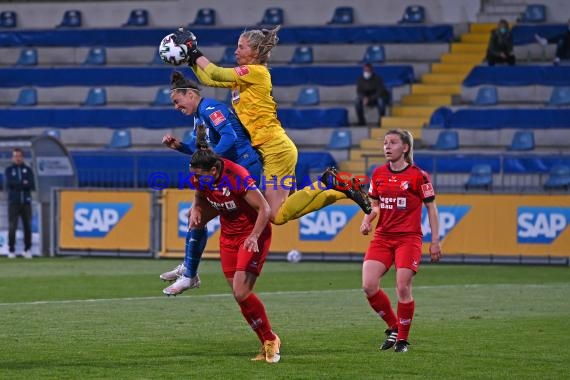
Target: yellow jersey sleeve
column 206, row 80
column 251, row 98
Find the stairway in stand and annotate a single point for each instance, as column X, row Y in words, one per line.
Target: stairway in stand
column 435, row 89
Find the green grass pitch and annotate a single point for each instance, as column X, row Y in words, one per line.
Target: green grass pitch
column 70, row 318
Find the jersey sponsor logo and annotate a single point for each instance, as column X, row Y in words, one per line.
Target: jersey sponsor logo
column 183, row 209
column 97, row 220
column 449, row 217
column 541, row 225
column 217, row 117
column 401, row 203
column 326, row 224
column 427, row 190
column 241, row 70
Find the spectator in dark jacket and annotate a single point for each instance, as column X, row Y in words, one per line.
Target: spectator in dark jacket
column 562, row 42
column 371, row 92
column 500, row 49
column 19, row 183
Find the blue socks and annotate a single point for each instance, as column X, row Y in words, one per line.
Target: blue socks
column 196, row 240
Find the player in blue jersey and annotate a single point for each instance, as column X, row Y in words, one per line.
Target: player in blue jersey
column 221, row 130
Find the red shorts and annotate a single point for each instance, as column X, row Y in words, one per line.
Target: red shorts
column 234, row 257
column 405, row 251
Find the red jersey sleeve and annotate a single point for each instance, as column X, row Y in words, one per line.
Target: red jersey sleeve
column 426, row 190
column 373, row 189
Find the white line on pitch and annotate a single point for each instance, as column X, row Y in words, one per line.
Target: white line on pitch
column 292, row 292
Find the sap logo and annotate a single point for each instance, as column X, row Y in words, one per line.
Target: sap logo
column 449, row 217
column 183, row 208
column 327, row 223
column 541, row 225
column 96, row 220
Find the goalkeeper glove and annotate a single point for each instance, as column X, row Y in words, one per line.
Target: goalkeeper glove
column 186, row 37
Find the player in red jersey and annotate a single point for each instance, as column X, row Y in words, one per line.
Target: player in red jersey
column 397, row 190
column 229, row 189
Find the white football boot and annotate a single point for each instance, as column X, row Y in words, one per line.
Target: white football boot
column 181, row 285
column 173, row 274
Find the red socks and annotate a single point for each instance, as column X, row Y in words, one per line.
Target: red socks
column 381, row 305
column 405, row 316
column 254, row 313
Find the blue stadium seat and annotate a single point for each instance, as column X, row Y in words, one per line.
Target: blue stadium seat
column 308, row 96
column 27, row 97
column 162, row 97
column 137, row 17
column 481, row 177
column 522, row 140
column 559, row 178
column 97, row 96
column 487, row 96
column 96, row 56
column 156, row 59
column 371, row 169
column 374, row 54
column 228, row 58
column 28, row 57
column 120, row 139
column 340, row 140
column 55, row 133
column 560, row 96
column 302, row 55
column 272, row 16
column 342, row 15
column 413, row 14
column 447, row 140
column 8, row 19
column 534, row 13
column 205, row 17
column 71, row 19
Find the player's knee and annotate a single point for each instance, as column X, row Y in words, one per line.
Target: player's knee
column 241, row 294
column 370, row 289
column 404, row 291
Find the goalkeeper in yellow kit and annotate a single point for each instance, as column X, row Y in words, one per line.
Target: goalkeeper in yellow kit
column 251, row 87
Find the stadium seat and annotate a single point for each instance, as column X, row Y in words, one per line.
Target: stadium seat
column 96, row 56
column 308, row 96
column 205, row 17
column 374, row 54
column 27, row 97
column 371, row 169
column 228, row 58
column 302, row 55
column 137, row 17
column 71, row 19
column 272, row 16
column 120, row 139
column 560, row 96
column 522, row 141
column 447, row 140
column 534, row 13
column 8, row 19
column 342, row 15
column 481, row 177
column 156, row 59
column 28, row 57
column 558, row 178
column 97, row 96
column 162, row 97
column 413, row 14
column 486, row 96
column 55, row 133
column 340, row 140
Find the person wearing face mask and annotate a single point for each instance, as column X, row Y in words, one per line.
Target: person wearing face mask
column 562, row 42
column 371, row 92
column 500, row 48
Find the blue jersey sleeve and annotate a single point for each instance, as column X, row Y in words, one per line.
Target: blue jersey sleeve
column 188, row 148
column 218, row 117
